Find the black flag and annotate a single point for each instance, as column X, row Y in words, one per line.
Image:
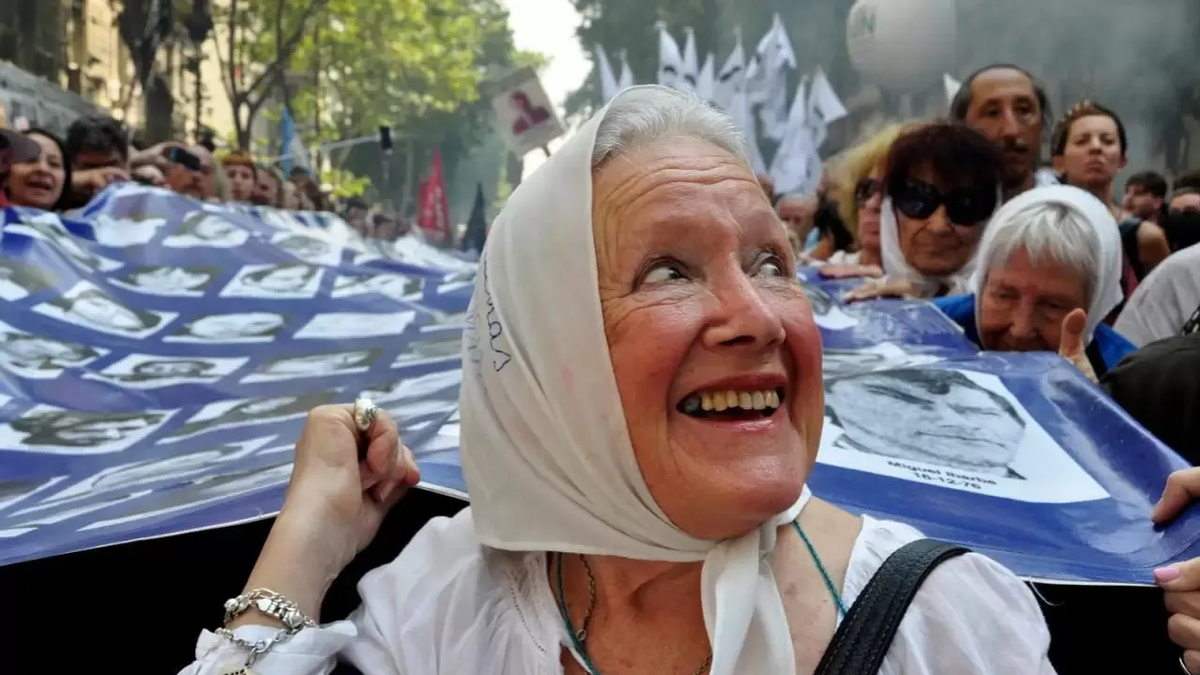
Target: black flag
column 476, row 232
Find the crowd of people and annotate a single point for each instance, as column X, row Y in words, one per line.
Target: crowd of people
column 55, row 174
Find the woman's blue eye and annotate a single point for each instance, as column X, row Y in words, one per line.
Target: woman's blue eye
column 662, row 273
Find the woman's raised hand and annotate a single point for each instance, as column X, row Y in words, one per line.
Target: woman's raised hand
column 1070, row 343
column 1181, row 582
column 334, row 504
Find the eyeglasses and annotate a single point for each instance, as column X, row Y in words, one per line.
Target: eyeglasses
column 964, row 206
column 865, row 189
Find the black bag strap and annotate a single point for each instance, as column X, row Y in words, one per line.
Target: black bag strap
column 867, row 631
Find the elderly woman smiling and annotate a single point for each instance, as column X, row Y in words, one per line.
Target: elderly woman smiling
column 641, row 408
column 1049, row 273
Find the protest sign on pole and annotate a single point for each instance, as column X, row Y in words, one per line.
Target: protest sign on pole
column 524, row 111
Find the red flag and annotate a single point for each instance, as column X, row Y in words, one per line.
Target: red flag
column 435, row 207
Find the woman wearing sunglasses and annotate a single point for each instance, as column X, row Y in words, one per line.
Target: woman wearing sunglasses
column 860, row 181
column 1049, row 272
column 940, row 189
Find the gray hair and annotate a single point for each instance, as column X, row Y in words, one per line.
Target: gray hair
column 1051, row 232
column 643, row 115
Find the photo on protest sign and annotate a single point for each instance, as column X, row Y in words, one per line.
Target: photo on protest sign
column 314, row 365
column 125, row 232
column 89, row 307
column 952, row 428
column 206, row 230
column 843, row 362
column 151, row 371
column 247, row 412
column 183, row 282
column 311, row 250
column 428, row 348
column 827, row 313
column 234, row 327
column 38, row 357
column 395, row 286
column 442, row 385
column 19, row 279
column 13, row 490
column 347, row 325
column 296, row 280
column 52, row 430
column 47, row 227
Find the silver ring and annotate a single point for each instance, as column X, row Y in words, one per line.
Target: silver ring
column 1183, row 665
column 365, row 412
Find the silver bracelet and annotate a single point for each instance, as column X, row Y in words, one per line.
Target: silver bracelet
column 271, row 604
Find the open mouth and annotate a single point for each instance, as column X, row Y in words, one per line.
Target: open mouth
column 40, row 183
column 732, row 405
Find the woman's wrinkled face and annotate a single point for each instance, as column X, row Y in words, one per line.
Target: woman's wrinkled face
column 713, row 345
column 1092, row 155
column 38, row 183
column 1023, row 304
column 869, row 197
column 935, row 246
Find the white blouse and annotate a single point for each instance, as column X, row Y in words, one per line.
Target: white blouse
column 449, row 605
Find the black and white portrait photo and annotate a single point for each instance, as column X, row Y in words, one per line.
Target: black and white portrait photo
column 312, row 250
column 827, row 313
column 314, row 365
column 248, row 412
column 38, row 357
column 953, row 428
column 444, row 345
column 13, row 490
column 439, row 386
column 348, row 325
column 125, row 232
column 87, row 306
column 184, row 282
column 66, row 432
column 150, row 371
column 18, row 279
column 843, row 362
column 235, row 327
column 295, row 280
column 206, row 230
column 47, row 228
column 395, row 286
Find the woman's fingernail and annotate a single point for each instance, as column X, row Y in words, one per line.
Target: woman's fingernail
column 1163, row 575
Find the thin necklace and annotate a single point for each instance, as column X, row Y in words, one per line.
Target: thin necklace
column 579, row 637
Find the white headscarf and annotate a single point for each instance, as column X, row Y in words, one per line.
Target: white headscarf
column 1106, row 286
column 545, row 448
column 897, row 267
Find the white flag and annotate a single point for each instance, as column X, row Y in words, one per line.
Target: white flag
column 952, row 86
column 691, row 68
column 792, row 164
column 731, row 79
column 626, row 80
column 608, row 82
column 706, row 82
column 670, row 62
column 824, row 107
column 773, row 55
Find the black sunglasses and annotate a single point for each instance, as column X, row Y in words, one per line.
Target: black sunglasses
column 964, row 206
column 865, row 189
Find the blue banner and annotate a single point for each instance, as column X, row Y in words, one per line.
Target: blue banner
column 158, row 356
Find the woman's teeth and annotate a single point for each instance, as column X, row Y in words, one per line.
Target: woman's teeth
column 765, row 400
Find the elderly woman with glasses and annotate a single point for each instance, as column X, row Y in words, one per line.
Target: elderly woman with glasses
column 1049, row 272
column 641, row 408
column 941, row 185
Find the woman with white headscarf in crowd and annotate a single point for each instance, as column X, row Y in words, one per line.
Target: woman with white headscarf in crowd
column 641, row 408
column 1049, row 272
column 941, row 185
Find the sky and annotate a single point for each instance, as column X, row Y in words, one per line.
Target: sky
column 548, row 27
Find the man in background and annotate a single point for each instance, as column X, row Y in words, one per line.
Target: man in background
column 98, row 152
column 1145, row 193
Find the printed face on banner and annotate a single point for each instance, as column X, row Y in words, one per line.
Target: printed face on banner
column 63, row 432
column 826, row 312
column 395, row 286
column 124, row 232
column 18, row 280
column 953, row 428
column 237, row 327
column 248, row 412
column 189, row 282
column 442, row 385
column 206, row 230
column 314, row 365
column 274, row 281
column 46, row 227
column 342, row 326
column 842, row 362
column 87, row 306
column 150, row 371
column 13, row 490
column 307, row 249
column 432, row 348
column 37, row 357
